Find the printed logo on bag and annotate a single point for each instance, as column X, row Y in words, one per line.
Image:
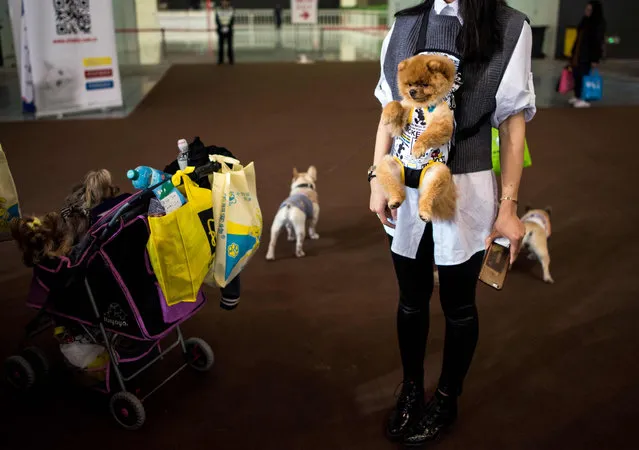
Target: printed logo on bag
column 233, row 250
column 221, row 231
column 208, row 223
column 116, row 316
column 233, row 196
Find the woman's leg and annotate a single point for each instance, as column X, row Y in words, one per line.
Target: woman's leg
column 415, row 280
column 578, row 76
column 457, row 286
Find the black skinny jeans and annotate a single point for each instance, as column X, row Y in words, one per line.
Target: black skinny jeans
column 578, row 74
column 457, row 285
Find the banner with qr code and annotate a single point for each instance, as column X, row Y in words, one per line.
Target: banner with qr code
column 68, row 59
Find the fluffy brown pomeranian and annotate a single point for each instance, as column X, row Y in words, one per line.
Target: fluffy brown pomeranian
column 425, row 82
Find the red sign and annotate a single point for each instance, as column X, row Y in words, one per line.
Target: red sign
column 98, row 73
column 304, row 11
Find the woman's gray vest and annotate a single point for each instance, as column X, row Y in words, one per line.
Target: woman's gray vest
column 475, row 100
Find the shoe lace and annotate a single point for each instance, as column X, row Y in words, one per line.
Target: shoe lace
column 407, row 395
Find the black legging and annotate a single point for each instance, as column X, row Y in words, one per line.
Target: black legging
column 228, row 37
column 578, row 74
column 457, row 295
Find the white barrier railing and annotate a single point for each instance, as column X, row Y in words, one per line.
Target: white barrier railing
column 252, row 18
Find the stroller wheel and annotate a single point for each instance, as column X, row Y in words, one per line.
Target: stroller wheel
column 199, row 355
column 127, row 410
column 38, row 362
column 19, row 373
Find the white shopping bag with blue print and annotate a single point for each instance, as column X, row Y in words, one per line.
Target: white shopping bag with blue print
column 238, row 219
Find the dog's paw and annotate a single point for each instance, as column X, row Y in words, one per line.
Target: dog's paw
column 419, row 149
column 549, row 279
column 300, row 253
column 395, row 202
column 270, row 257
column 313, row 236
column 425, row 217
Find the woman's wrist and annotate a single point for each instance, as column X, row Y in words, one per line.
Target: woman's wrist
column 508, row 205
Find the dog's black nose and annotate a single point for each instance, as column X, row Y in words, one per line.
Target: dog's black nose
column 413, row 93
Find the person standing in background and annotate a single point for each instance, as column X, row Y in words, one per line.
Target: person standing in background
column 278, row 16
column 588, row 48
column 224, row 20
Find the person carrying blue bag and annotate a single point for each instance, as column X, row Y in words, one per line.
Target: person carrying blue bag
column 586, row 55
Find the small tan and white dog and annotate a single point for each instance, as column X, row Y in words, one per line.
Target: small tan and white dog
column 299, row 211
column 538, row 230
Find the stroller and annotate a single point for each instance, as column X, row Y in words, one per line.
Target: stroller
column 107, row 291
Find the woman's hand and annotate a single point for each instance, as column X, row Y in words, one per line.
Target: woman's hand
column 379, row 204
column 509, row 226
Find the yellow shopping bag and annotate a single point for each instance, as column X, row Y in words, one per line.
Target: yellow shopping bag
column 9, row 206
column 182, row 243
column 238, row 219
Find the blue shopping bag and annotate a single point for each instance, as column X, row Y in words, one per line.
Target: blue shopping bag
column 592, row 86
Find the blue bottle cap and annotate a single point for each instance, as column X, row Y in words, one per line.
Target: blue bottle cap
column 132, row 174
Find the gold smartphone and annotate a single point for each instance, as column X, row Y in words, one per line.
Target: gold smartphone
column 495, row 267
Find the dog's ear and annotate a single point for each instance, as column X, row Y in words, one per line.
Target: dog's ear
column 402, row 65
column 312, row 172
column 548, row 210
column 295, row 173
column 443, row 66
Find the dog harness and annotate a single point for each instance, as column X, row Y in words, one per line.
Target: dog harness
column 539, row 219
column 299, row 201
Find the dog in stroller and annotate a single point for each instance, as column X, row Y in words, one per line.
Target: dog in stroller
column 107, row 291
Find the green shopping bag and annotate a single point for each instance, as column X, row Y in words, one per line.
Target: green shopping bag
column 495, row 145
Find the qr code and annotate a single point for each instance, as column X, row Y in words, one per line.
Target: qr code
column 72, row 16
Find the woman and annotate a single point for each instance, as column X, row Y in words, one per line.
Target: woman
column 224, row 20
column 492, row 44
column 588, row 48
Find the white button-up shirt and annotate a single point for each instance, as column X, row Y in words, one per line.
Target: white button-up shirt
column 458, row 240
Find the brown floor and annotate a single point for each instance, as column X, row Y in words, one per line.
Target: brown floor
column 309, row 360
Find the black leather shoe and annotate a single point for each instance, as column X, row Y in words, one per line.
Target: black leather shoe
column 410, row 405
column 440, row 413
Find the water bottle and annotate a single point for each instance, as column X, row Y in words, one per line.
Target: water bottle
column 143, row 177
column 183, row 155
